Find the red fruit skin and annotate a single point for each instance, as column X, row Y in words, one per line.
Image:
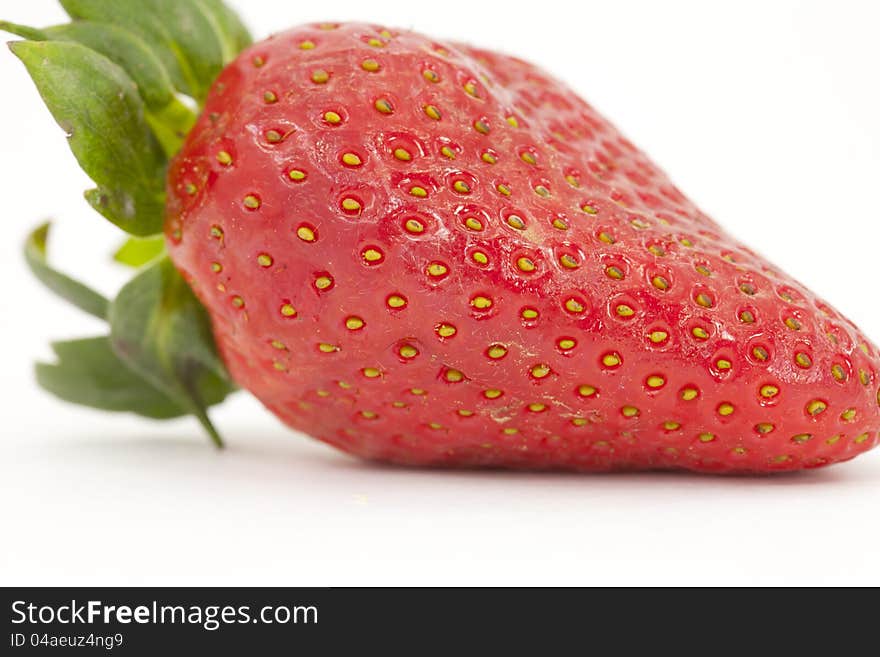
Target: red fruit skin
column 642, row 261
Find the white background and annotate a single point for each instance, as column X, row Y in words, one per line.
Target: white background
column 765, row 113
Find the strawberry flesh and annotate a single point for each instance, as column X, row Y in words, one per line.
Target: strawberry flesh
column 430, row 254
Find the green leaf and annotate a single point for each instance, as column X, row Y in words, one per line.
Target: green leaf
column 23, row 31
column 138, row 251
column 234, row 31
column 96, row 103
column 73, row 291
column 184, row 33
column 161, row 331
column 88, row 372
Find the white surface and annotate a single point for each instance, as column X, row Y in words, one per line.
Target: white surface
column 765, row 114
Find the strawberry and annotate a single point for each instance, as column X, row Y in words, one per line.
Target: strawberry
column 431, row 254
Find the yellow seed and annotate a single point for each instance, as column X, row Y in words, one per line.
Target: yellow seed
column 278, row 365
column 396, row 301
column 343, row 385
column 372, row 255
column 480, row 257
column 238, row 302
column 747, row 317
column 351, row 159
column 864, row 377
column 481, row 302
column 251, row 202
column 658, row 336
column 288, row 311
column 270, row 97
column 322, row 393
column 858, row 440
column 801, row 438
column 408, row 351
column 370, row 65
column 488, row 158
column 537, row 408
column 384, row 106
column 838, row 372
column 540, row 190
column 418, row 391
column 848, row 415
column 371, row 372
column 684, row 241
column 559, row 224
column 703, row 269
column 323, row 282
column 264, row 260
column 725, row 409
column 492, row 393
column 332, row 117
column 606, row 238
column 700, row 333
column 351, row 205
column 461, row 187
column 402, row 154
column 512, row 122
column 764, row 427
column 614, row 272
column 510, row 431
column 803, row 360
column 589, row 209
column 704, row 300
column 671, row 425
column 496, row 351
column 470, row 88
column 760, row 353
column 660, row 283
column 624, row 311
column 354, row 323
column 306, row 234
column 430, row 76
column 446, row 330
column 216, row 267
column 656, row 381
column 454, row 376
column 414, row 226
column 437, row 269
column 833, row 440
column 436, row 426
column 432, row 112
column 320, row 76
column 307, row 45
column 579, row 421
column 769, row 391
column 528, row 157
column 707, row 437
column 540, row 371
column 417, row 191
column 689, row 394
column 375, row 43
column 473, row 223
column 296, row 174
column 629, row 411
column 515, row 222
column 529, row 313
column 574, row 306
column 503, row 189
column 723, row 364
column 566, row 343
column 568, row 261
column 525, row 264
column 816, row 407
column 481, row 126
column 224, row 158
column 793, row 324
column 611, row 360
column 587, row 390
column 327, row 348
column 464, row 412
column 448, row 152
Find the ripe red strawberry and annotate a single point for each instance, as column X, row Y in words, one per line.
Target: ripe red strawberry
column 430, row 254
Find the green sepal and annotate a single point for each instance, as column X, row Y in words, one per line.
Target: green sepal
column 138, row 251
column 161, row 331
column 97, row 104
column 186, row 34
column 79, row 295
column 88, row 372
column 234, row 31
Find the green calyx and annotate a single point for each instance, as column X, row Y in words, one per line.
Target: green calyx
column 124, row 80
